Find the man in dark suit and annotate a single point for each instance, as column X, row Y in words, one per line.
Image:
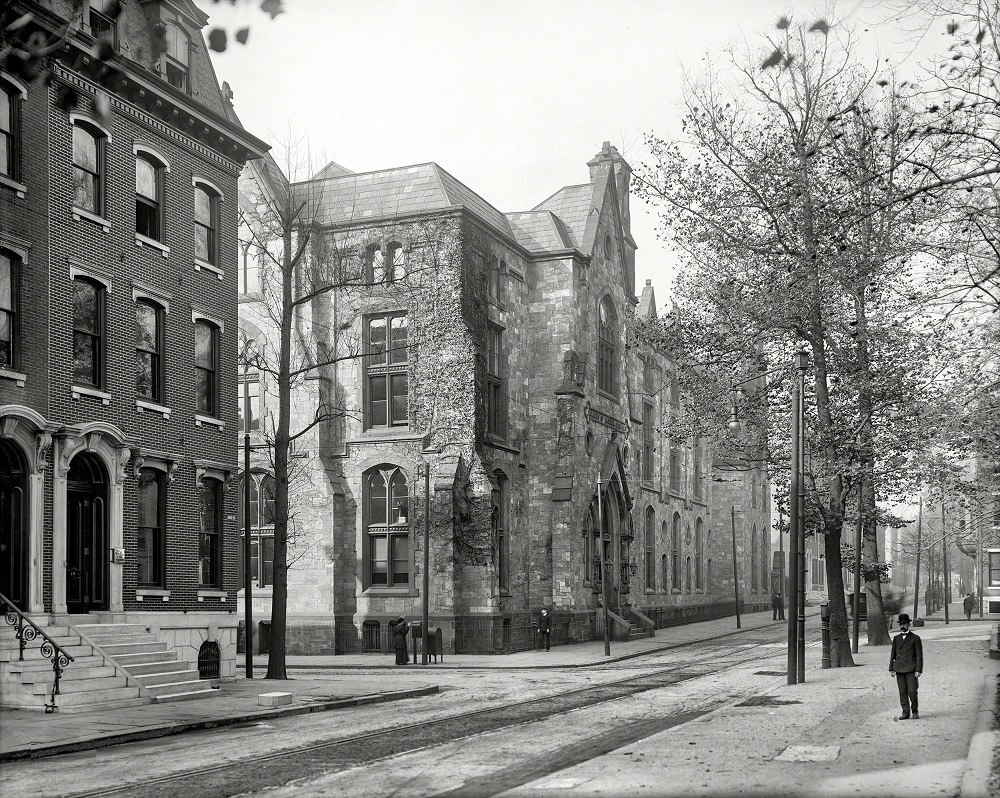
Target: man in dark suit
column 906, row 663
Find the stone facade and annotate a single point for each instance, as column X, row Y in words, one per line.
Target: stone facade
column 526, row 388
column 70, row 442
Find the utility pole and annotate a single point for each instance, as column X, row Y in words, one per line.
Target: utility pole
column 247, row 553
column 426, row 591
column 736, row 579
column 856, row 621
column 793, row 541
column 801, row 361
column 916, row 578
column 945, row 587
column 604, row 571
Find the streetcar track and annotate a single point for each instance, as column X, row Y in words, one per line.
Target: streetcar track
column 368, row 748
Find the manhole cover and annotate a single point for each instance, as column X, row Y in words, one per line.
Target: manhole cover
column 767, row 701
column 809, row 753
column 770, row 673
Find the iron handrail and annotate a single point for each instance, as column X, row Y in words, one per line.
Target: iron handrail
column 49, row 649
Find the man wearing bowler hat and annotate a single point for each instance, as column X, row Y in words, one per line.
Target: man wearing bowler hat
column 906, row 663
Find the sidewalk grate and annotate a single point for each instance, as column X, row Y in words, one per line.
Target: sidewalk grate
column 767, row 701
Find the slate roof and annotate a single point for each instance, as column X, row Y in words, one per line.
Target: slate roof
column 572, row 204
column 388, row 193
column 540, row 231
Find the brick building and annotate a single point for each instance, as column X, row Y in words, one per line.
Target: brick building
column 118, row 325
column 496, row 350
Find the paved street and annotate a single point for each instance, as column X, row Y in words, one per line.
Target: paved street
column 664, row 723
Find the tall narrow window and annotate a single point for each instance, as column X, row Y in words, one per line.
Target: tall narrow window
column 699, row 553
column 386, row 371
column 376, row 264
column 649, row 534
column 499, row 521
column 148, row 346
column 150, row 539
column 88, row 168
column 494, row 281
column 261, row 527
column 10, row 130
column 496, row 421
column 249, row 403
column 395, row 262
column 388, row 553
column 675, row 552
column 607, row 347
column 104, row 20
column 206, row 217
column 648, row 433
column 687, row 575
column 210, row 533
column 8, row 309
column 88, row 333
column 206, row 362
column 698, row 468
column 754, row 583
column 177, row 57
column 148, row 196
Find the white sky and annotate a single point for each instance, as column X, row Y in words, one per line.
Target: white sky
column 513, row 98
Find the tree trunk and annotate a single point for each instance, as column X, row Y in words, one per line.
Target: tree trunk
column 840, row 638
column 878, row 629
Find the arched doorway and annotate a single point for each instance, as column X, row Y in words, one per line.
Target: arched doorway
column 13, row 525
column 87, row 552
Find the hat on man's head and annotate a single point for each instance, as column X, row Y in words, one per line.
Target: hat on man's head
column 904, row 618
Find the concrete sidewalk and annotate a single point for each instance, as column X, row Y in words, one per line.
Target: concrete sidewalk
column 852, row 709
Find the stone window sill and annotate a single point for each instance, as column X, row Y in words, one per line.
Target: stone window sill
column 609, row 396
column 204, row 593
column 80, row 213
column 142, row 405
column 145, row 241
column 200, row 420
column 20, row 190
column 142, row 593
column 18, row 378
column 79, row 390
column 204, row 265
column 389, row 591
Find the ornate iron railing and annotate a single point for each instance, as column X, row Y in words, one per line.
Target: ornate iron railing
column 25, row 630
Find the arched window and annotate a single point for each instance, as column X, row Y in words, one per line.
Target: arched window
column 206, row 362
column 148, row 196
column 649, row 534
column 765, row 565
column 664, row 573
column 675, row 552
column 753, row 559
column 148, row 350
column 261, row 527
column 176, row 57
column 206, row 224
column 607, row 347
column 500, row 520
column 387, row 544
column 687, row 575
column 708, row 575
column 699, row 553
column 88, row 332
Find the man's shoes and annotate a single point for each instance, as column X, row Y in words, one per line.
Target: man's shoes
column 904, row 716
column 916, row 715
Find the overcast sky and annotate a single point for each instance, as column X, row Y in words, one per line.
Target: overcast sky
column 513, row 98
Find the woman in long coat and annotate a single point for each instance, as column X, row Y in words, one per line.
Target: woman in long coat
column 399, row 629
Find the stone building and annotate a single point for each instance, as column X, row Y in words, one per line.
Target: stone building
column 488, row 378
column 118, row 332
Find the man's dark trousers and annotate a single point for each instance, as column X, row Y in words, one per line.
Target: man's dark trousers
column 907, row 683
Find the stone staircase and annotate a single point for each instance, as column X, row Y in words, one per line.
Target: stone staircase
column 637, row 632
column 114, row 665
column 150, row 663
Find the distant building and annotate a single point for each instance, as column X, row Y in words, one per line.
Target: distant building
column 496, row 350
column 118, row 327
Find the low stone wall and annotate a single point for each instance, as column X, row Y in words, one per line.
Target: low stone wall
column 185, row 632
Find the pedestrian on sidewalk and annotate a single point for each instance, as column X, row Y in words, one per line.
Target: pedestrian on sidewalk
column 967, row 604
column 544, row 626
column 778, row 607
column 906, row 663
column 399, row 628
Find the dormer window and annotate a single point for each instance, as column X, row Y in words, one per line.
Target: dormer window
column 103, row 20
column 176, row 57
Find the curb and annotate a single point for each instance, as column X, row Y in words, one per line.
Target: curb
column 153, row 732
column 978, row 765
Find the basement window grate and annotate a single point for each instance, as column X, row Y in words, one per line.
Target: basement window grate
column 209, row 660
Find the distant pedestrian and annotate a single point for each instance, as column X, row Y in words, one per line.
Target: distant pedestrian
column 967, row 604
column 777, row 607
column 544, row 626
column 906, row 663
column 399, row 628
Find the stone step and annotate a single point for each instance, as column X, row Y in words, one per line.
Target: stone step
column 138, row 669
column 72, row 673
column 62, row 640
column 34, row 653
column 45, row 666
column 136, row 637
column 114, row 649
column 112, row 628
column 186, row 696
column 74, row 686
column 113, row 694
column 166, row 676
column 101, row 706
column 180, row 686
column 128, row 660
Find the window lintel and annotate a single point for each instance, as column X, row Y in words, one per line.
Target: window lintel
column 144, row 149
column 204, row 182
column 89, row 272
column 22, row 89
column 76, row 118
column 199, row 315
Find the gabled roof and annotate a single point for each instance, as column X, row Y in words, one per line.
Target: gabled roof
column 572, row 204
column 389, row 193
column 540, row 231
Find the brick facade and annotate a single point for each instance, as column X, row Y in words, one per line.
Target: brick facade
column 45, row 417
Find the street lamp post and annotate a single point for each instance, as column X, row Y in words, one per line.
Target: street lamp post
column 247, row 552
column 801, row 361
column 793, row 541
column 426, row 589
column 856, row 621
column 736, row 578
column 604, row 569
column 945, row 587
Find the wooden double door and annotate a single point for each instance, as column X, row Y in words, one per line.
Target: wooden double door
column 87, row 552
column 13, row 525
